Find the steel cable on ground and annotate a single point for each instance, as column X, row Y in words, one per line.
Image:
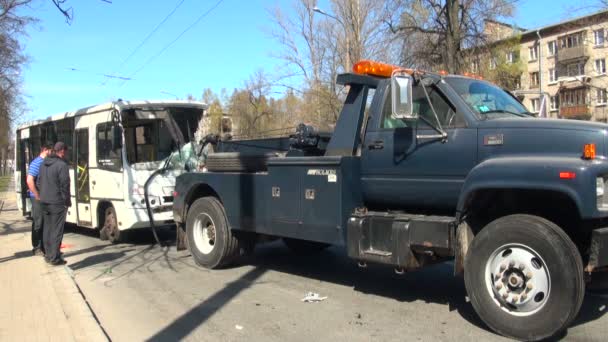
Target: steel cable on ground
column 166, row 47
column 158, row 26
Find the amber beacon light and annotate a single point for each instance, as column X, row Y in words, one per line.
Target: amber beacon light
column 589, row 151
column 367, row 67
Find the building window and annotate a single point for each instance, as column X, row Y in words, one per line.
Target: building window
column 492, row 64
column 535, row 103
column 554, row 103
column 552, row 75
column 602, row 97
column 475, row 67
column 600, row 66
column 533, row 52
column 598, row 36
column 574, row 97
column 552, row 48
column 511, row 57
column 534, row 79
column 576, row 69
column 572, row 40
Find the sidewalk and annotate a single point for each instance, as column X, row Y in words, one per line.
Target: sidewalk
column 38, row 302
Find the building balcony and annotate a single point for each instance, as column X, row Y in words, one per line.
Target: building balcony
column 579, row 112
column 573, row 53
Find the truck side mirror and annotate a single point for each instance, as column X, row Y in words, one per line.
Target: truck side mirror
column 401, row 97
column 116, row 137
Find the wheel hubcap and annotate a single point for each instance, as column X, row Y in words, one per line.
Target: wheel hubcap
column 518, row 279
column 204, row 233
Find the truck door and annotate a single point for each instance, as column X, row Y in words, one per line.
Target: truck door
column 83, row 198
column 401, row 171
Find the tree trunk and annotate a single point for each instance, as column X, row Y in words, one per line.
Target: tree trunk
column 453, row 54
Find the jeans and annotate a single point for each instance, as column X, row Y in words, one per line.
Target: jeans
column 37, row 223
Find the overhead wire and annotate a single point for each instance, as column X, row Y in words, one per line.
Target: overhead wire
column 167, row 46
column 145, row 40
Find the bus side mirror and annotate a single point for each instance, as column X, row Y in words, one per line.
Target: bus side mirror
column 401, row 97
column 116, row 137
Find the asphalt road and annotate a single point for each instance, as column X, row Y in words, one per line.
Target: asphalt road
column 144, row 292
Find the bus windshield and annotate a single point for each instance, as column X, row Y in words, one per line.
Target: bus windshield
column 487, row 100
column 152, row 135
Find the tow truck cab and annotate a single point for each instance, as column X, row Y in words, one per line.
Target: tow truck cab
column 423, row 168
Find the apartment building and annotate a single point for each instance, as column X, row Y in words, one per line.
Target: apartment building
column 564, row 63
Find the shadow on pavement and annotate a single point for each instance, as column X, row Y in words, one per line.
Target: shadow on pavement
column 97, row 259
column 17, row 255
column 6, row 229
column 434, row 284
column 189, row 321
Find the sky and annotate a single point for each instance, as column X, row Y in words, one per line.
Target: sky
column 227, row 42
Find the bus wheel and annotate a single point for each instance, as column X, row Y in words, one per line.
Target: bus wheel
column 304, row 247
column 524, row 277
column 210, row 240
column 110, row 230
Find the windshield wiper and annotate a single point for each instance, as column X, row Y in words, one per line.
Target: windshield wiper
column 504, row 111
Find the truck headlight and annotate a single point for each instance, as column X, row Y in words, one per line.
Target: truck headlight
column 599, row 192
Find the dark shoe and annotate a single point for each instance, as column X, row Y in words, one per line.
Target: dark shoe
column 58, row 262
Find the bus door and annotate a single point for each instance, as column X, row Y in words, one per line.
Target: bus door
column 83, row 198
column 22, row 159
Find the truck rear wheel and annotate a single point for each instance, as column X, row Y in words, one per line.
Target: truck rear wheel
column 210, row 240
column 524, row 277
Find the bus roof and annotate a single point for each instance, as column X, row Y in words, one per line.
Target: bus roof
column 118, row 105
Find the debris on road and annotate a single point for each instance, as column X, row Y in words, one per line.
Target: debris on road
column 238, row 327
column 312, row 297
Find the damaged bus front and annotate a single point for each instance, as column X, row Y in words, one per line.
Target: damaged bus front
column 119, row 153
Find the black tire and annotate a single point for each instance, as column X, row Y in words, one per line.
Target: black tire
column 109, row 231
column 224, row 245
column 558, row 256
column 237, row 162
column 303, row 246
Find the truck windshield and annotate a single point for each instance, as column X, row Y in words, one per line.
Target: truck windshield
column 485, row 99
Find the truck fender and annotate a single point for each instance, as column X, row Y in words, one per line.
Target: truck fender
column 196, row 190
column 531, row 173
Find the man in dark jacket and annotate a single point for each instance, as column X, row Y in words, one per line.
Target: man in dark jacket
column 54, row 184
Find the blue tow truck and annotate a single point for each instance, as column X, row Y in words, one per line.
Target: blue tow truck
column 422, row 168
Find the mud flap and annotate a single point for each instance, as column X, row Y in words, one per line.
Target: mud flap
column 464, row 237
column 181, row 238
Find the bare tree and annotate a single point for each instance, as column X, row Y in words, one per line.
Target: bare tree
column 12, row 58
column 320, row 43
column 448, row 28
column 250, row 106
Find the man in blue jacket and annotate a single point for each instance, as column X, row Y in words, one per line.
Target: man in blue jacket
column 32, row 176
column 55, row 199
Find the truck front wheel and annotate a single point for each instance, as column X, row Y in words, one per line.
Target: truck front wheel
column 524, row 277
column 210, row 240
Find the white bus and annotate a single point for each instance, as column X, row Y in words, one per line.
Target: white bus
column 114, row 148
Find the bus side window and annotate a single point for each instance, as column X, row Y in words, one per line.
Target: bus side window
column 107, row 158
